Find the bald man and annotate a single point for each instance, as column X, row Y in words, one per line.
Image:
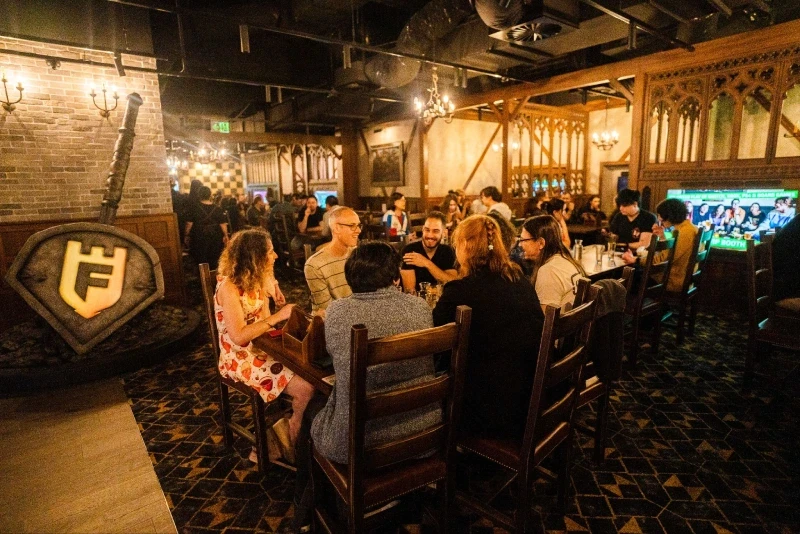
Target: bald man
column 324, row 270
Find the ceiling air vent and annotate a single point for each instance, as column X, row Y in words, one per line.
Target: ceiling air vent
column 541, row 20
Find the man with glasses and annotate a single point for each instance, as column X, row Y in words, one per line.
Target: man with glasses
column 324, row 270
column 428, row 260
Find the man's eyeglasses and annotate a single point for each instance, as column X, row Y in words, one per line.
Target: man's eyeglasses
column 354, row 226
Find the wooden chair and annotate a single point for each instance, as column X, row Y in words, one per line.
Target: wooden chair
column 379, row 474
column 604, row 362
column 648, row 300
column 692, row 282
column 763, row 329
column 284, row 233
column 263, row 418
column 549, row 428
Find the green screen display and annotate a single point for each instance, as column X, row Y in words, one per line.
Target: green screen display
column 738, row 214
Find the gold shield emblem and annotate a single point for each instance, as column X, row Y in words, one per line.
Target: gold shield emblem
column 91, row 283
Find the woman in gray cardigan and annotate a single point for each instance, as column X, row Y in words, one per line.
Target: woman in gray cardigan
column 372, row 271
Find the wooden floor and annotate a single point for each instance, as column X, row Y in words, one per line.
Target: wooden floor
column 73, row 460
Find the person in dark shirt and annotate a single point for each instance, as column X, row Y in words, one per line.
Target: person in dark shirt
column 785, row 259
column 428, row 260
column 505, row 332
column 256, row 212
column 631, row 221
column 206, row 229
column 755, row 218
column 309, row 219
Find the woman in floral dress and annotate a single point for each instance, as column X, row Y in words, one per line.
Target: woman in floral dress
column 245, row 282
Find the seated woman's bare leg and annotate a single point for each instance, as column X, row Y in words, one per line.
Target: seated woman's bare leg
column 301, row 392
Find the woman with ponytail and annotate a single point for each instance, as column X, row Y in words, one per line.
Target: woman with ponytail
column 505, row 332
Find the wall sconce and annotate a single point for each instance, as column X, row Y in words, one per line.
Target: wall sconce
column 105, row 111
column 7, row 104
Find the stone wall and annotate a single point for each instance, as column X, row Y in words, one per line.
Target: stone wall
column 55, row 148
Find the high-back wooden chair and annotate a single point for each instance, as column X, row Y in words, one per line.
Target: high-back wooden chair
column 649, row 297
column 261, row 418
column 685, row 301
column 378, row 474
column 762, row 326
column 284, row 232
column 605, row 358
column 549, row 425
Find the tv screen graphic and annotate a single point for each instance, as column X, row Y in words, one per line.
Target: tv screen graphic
column 322, row 195
column 737, row 215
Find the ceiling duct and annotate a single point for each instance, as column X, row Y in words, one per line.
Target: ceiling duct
column 525, row 23
column 424, row 28
column 352, row 78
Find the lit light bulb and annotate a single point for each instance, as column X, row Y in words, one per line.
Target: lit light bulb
column 223, row 152
column 202, row 152
column 495, row 147
column 445, row 99
column 515, row 146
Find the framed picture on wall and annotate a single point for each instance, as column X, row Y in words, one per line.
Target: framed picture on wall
column 387, row 164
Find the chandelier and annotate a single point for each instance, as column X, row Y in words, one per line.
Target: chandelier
column 606, row 139
column 436, row 106
column 207, row 154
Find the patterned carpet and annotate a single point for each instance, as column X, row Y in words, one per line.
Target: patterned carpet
column 688, row 453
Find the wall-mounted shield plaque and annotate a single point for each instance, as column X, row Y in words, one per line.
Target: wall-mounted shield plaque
column 86, row 279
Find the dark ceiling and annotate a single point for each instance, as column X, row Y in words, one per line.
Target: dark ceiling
column 298, row 45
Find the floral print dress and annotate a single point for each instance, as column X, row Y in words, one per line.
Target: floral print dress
column 247, row 364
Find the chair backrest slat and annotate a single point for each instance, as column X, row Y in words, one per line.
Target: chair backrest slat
column 562, row 353
column 408, row 398
column 404, row 346
column 697, row 260
column 404, row 449
column 759, row 282
column 661, row 268
column 207, row 282
column 445, row 390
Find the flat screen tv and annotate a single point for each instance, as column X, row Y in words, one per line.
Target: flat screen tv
column 322, row 195
column 738, row 214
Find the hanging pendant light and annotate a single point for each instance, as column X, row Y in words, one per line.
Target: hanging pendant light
column 436, row 106
column 606, row 139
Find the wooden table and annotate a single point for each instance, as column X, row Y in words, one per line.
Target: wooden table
column 293, row 360
column 604, row 270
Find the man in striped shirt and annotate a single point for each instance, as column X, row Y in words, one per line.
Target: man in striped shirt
column 325, row 270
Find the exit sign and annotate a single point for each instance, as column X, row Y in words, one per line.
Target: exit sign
column 221, row 127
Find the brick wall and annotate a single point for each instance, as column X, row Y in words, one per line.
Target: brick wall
column 55, row 148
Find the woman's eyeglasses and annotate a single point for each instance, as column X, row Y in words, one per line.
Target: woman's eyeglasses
column 521, row 239
column 354, row 226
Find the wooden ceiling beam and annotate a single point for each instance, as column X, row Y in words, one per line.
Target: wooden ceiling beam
column 620, row 87
column 275, row 138
column 742, row 44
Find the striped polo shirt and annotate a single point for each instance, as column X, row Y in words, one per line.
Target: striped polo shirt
column 325, row 277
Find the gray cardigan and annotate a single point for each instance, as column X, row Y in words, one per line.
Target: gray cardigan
column 385, row 312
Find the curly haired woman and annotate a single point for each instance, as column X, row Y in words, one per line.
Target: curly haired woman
column 245, row 282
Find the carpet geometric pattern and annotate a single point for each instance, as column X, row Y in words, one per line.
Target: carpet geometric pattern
column 687, row 452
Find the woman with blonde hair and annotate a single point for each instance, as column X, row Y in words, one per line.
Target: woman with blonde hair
column 505, row 332
column 245, row 283
column 555, row 272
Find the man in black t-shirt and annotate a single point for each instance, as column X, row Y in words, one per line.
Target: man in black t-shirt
column 428, row 260
column 309, row 218
column 631, row 222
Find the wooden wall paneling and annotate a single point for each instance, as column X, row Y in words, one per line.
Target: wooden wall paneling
column 776, row 116
column 350, row 166
column 505, row 174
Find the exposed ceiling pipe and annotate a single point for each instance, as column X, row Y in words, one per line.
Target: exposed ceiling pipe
column 624, row 17
column 240, row 81
column 418, row 37
column 329, row 40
